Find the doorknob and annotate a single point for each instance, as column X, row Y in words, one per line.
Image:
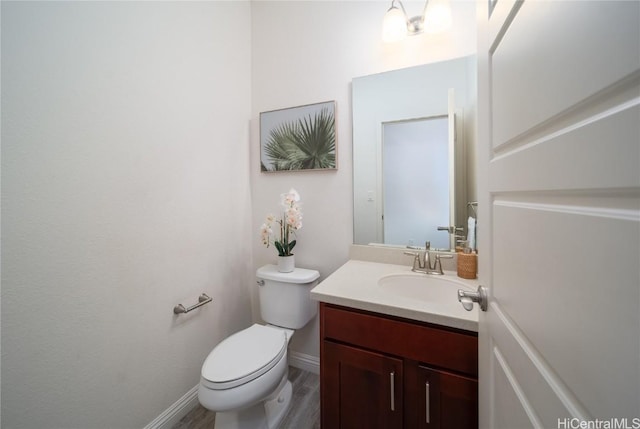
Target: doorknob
column 468, row 298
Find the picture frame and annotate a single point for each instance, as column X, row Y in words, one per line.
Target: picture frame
column 299, row 138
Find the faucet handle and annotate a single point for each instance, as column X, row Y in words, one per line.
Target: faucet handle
column 451, row 229
column 427, row 246
column 416, row 259
column 437, row 265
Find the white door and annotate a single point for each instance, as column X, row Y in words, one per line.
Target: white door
column 559, row 221
column 416, row 163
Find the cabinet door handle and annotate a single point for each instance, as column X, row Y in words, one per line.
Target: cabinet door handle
column 426, row 389
column 392, row 377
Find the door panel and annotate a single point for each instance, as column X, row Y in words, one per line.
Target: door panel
column 446, row 400
column 541, row 396
column 363, row 380
column 555, row 54
column 514, row 410
column 592, row 295
column 559, row 213
column 578, row 156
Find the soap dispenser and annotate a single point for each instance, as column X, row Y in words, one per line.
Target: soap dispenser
column 467, row 263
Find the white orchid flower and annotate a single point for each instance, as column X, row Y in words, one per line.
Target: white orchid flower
column 288, row 224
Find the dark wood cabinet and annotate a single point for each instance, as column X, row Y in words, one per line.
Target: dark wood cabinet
column 450, row 400
column 379, row 371
column 368, row 386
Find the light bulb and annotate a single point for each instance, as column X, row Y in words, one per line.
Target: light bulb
column 394, row 26
column 437, row 17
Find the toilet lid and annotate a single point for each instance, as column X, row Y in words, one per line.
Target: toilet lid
column 298, row 275
column 244, row 356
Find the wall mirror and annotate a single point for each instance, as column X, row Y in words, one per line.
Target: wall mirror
column 414, row 153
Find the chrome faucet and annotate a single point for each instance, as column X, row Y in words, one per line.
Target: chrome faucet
column 422, row 261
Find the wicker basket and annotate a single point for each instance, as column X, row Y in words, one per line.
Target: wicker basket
column 467, row 265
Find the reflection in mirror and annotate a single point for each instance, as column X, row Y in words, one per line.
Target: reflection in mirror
column 413, row 153
column 415, row 156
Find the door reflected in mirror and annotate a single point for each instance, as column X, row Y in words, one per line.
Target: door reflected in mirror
column 415, row 156
column 392, row 187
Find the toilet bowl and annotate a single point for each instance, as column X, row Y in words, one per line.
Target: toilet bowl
column 244, row 378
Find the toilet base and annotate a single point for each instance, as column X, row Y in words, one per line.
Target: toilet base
column 263, row 415
column 278, row 406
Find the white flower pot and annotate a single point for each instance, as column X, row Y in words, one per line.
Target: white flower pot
column 286, row 264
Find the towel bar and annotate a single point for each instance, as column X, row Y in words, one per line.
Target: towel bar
column 473, row 205
column 202, row 300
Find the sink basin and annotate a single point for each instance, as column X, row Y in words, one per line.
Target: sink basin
column 423, row 287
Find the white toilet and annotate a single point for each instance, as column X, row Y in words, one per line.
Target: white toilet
column 244, row 378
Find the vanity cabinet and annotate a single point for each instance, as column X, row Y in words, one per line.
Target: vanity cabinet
column 450, row 400
column 379, row 371
column 369, row 386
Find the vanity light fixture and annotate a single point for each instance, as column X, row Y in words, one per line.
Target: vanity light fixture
column 436, row 17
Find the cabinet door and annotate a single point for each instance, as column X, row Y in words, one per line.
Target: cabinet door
column 446, row 400
column 360, row 389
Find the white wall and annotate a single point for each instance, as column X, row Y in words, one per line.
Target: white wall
column 309, row 51
column 125, row 191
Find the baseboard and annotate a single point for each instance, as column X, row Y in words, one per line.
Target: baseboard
column 305, row 362
column 175, row 412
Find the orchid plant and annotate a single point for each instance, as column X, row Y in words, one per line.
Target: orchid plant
column 288, row 224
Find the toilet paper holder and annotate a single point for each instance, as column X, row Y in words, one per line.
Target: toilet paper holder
column 202, row 300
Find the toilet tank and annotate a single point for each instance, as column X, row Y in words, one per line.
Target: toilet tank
column 284, row 297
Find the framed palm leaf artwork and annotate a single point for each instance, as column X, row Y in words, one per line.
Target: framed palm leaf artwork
column 298, row 138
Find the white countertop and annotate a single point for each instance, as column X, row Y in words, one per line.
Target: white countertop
column 355, row 285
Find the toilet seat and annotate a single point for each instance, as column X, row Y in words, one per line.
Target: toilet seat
column 243, row 357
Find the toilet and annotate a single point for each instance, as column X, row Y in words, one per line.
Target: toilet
column 245, row 377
